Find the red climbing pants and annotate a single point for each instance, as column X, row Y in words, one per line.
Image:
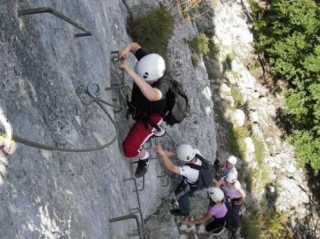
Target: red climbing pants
column 138, row 135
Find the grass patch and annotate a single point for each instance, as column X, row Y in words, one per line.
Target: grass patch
column 266, row 226
column 251, row 230
column 260, row 151
column 240, row 134
column 273, row 226
column 253, row 67
column 213, row 68
column 195, row 61
column 236, row 138
column 238, row 98
column 200, row 44
column 228, row 61
column 260, row 176
column 188, row 7
column 235, row 74
column 153, row 31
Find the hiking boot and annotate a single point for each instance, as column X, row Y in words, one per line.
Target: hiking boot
column 175, row 203
column 177, row 212
column 142, row 168
column 159, row 133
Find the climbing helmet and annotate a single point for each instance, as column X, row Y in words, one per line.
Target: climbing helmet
column 232, row 159
column 231, row 177
column 151, row 67
column 216, row 194
column 185, row 152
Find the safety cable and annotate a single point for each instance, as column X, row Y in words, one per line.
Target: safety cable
column 96, row 99
column 93, row 90
column 126, row 89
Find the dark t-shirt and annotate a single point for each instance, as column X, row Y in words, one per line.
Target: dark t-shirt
column 141, row 103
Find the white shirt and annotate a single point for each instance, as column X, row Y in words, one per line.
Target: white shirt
column 191, row 174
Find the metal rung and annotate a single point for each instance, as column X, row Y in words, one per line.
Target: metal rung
column 167, row 178
column 127, row 217
column 57, row 14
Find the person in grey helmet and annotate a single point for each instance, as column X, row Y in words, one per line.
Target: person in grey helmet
column 148, row 103
column 187, row 186
column 234, row 192
column 216, row 213
column 229, row 166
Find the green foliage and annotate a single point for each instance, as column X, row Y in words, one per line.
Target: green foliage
column 239, row 134
column 295, row 101
column 260, row 176
column 153, row 31
column 233, row 142
column 255, row 7
column 238, row 98
column 260, row 152
column 202, row 42
column 252, row 230
column 235, row 75
column 289, row 34
column 253, row 67
column 273, row 226
column 195, row 61
column 307, row 148
column 266, row 226
column 228, row 62
column 213, row 69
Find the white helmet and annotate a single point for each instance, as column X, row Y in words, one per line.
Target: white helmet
column 216, row 194
column 231, row 177
column 185, row 152
column 151, row 67
column 232, row 159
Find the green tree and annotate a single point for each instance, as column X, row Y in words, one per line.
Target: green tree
column 289, row 34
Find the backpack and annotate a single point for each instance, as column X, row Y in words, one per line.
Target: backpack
column 177, row 103
column 206, row 172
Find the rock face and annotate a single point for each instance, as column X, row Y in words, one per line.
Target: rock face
column 43, row 68
column 45, row 71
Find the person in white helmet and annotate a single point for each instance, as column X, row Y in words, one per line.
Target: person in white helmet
column 229, row 166
column 187, row 186
column 217, row 212
column 148, row 104
column 234, row 192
